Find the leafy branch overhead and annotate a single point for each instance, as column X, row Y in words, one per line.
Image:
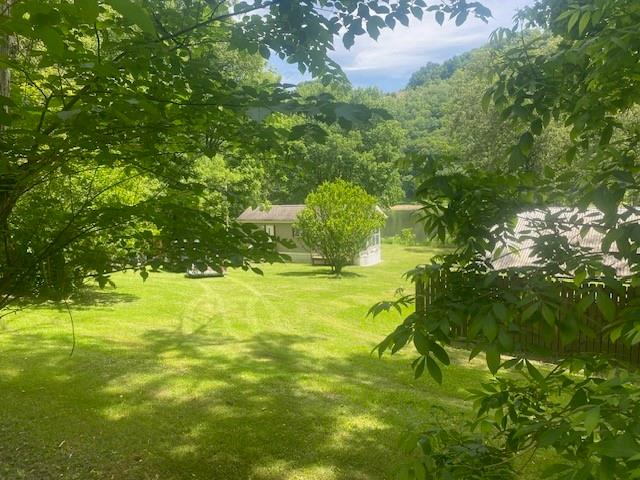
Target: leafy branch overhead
column 576, row 275
column 111, row 109
column 373, row 17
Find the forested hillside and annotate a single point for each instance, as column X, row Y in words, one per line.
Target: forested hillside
column 439, row 115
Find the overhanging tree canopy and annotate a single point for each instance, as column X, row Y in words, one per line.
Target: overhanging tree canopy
column 585, row 408
column 127, row 94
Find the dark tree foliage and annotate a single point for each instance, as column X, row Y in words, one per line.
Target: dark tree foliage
column 437, row 71
column 368, row 155
column 128, row 94
column 585, row 407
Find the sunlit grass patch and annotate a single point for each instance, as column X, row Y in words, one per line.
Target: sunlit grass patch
column 243, row 377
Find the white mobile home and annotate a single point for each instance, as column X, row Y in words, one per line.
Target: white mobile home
column 278, row 221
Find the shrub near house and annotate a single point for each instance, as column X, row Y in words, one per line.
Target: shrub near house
column 338, row 222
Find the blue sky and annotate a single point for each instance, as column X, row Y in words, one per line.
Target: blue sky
column 389, row 62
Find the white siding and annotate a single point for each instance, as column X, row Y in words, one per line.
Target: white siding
column 368, row 257
column 298, row 257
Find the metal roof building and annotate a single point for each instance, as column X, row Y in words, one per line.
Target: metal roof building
column 279, row 221
column 275, row 214
column 569, row 223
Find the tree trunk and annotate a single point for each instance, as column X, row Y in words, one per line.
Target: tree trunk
column 337, row 269
column 6, row 44
column 6, row 179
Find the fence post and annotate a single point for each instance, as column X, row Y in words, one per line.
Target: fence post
column 429, row 288
column 420, row 295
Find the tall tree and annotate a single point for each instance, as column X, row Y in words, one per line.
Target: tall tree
column 144, row 88
column 369, row 155
column 350, row 155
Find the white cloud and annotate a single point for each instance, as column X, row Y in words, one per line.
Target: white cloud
column 388, row 62
column 408, row 48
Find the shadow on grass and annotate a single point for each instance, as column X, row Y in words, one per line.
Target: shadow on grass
column 427, row 250
column 86, row 297
column 325, row 273
column 198, row 405
column 96, row 297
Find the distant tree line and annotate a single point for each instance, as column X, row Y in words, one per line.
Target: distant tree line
column 439, row 115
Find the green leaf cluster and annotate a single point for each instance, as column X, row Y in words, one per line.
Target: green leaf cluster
column 338, row 221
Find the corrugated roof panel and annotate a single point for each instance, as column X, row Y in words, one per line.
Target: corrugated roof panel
column 410, row 207
column 277, row 213
column 569, row 223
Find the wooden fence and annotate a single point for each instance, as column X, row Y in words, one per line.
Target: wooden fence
column 534, row 340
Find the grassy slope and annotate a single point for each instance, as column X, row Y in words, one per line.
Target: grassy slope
column 244, row 377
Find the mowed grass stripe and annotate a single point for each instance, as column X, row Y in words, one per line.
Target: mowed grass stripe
column 246, row 377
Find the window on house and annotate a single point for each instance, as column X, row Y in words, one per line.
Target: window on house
column 270, row 229
column 375, row 240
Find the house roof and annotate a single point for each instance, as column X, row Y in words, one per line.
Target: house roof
column 405, row 207
column 567, row 222
column 277, row 213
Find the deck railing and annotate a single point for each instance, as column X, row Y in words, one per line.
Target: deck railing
column 534, row 340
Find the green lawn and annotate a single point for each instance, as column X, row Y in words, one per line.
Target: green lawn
column 245, row 377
